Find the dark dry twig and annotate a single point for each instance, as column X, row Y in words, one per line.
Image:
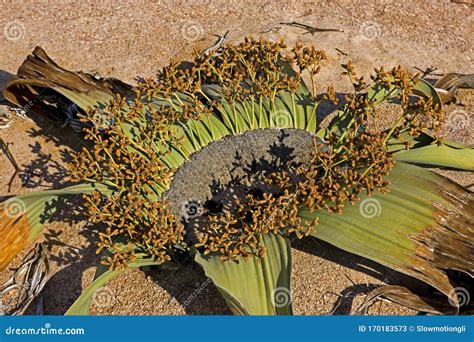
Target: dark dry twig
column 428, row 71
column 310, row 29
column 275, row 28
column 217, row 44
column 11, row 159
column 341, row 52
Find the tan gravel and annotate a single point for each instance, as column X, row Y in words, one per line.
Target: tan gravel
column 133, row 39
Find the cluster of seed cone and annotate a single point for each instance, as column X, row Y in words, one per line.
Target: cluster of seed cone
column 252, row 68
column 273, row 208
column 135, row 224
column 419, row 114
column 129, row 141
column 136, row 219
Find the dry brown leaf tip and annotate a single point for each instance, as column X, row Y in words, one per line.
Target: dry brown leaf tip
column 14, row 233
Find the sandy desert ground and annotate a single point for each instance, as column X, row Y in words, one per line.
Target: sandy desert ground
column 131, row 39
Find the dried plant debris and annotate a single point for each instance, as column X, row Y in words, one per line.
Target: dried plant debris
column 448, row 85
column 310, row 29
column 447, row 243
column 398, row 294
column 26, row 283
column 45, row 88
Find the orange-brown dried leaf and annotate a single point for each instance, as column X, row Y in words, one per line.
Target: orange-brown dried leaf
column 14, row 232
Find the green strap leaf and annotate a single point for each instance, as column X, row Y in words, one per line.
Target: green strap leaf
column 424, row 150
column 424, row 88
column 405, row 140
column 439, row 155
column 23, row 217
column 407, row 228
column 82, row 305
column 42, row 205
column 254, row 286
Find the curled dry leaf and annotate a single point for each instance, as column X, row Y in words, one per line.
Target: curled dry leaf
column 448, row 85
